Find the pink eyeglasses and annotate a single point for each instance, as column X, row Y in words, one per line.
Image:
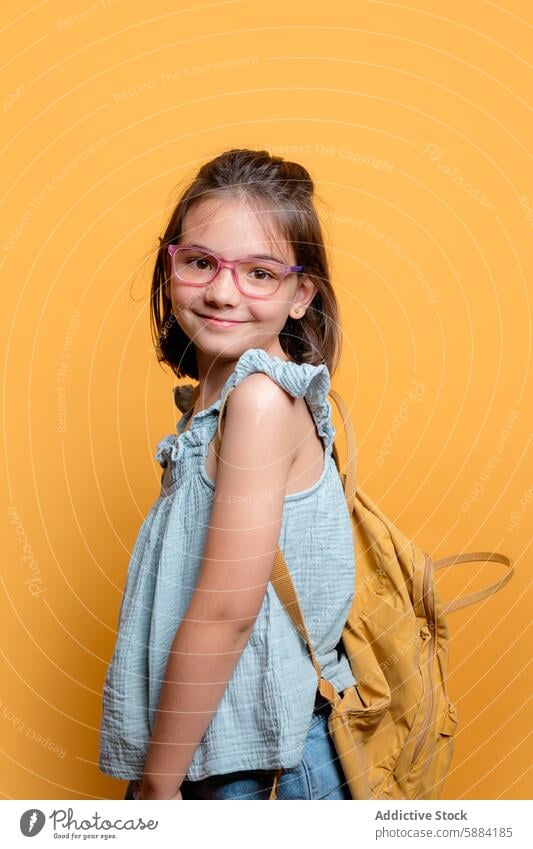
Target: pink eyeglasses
column 254, row 277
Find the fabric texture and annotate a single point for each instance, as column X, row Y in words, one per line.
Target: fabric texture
column 265, row 713
column 319, row 774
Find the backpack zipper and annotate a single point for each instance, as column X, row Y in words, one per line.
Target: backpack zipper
column 431, row 624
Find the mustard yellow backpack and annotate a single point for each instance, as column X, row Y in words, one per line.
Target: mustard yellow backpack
column 393, row 730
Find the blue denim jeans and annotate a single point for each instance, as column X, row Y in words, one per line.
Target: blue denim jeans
column 318, row 775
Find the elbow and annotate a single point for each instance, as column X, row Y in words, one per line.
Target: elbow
column 222, row 624
column 233, row 623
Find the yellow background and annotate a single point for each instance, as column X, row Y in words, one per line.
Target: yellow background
column 412, row 118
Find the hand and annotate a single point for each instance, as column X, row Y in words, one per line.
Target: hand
column 156, row 795
column 145, row 792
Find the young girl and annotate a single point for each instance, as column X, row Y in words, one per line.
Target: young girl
column 211, row 692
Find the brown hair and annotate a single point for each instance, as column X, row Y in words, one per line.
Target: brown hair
column 285, row 190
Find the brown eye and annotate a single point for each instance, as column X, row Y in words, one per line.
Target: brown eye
column 261, row 274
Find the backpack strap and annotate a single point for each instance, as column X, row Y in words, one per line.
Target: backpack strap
column 473, row 557
column 283, row 584
column 350, row 480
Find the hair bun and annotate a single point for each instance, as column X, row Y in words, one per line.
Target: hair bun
column 300, row 175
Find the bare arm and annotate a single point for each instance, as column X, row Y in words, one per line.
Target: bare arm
column 241, row 542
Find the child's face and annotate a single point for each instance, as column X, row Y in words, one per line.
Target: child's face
column 233, row 231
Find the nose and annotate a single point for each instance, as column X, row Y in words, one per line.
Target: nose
column 223, row 289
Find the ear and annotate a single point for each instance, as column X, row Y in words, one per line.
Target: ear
column 307, row 289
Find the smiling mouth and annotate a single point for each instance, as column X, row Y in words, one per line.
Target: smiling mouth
column 219, row 318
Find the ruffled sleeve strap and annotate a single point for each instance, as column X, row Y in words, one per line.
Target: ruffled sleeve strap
column 167, row 450
column 301, row 380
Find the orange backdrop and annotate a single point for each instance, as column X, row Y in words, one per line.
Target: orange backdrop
column 412, row 120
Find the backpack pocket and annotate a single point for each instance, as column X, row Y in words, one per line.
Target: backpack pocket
column 414, row 743
column 441, row 756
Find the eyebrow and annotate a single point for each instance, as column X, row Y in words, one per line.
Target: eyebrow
column 249, row 256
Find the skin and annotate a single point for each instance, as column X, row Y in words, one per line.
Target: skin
column 251, row 483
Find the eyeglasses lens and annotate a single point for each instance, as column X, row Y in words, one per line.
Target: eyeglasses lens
column 256, row 277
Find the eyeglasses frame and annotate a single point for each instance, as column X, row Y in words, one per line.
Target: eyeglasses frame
column 232, row 264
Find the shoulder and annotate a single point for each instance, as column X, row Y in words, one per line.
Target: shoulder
column 259, row 389
column 260, row 420
column 278, row 399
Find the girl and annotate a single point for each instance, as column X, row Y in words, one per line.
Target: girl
column 211, row 692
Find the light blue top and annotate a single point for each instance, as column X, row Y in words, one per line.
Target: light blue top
column 263, row 717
